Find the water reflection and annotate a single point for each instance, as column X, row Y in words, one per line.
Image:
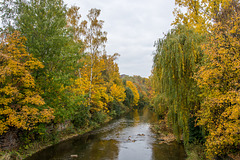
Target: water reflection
column 126, row 138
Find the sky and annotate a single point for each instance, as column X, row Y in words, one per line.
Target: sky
column 132, row 26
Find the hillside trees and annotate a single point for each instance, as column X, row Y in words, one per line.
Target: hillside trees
column 143, row 86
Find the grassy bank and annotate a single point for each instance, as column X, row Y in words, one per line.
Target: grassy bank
column 195, row 152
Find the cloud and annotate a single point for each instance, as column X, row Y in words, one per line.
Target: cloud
column 133, row 26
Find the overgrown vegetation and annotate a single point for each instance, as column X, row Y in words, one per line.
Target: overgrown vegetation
column 196, row 76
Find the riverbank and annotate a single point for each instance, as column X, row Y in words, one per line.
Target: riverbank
column 163, row 131
column 165, row 135
column 194, row 151
column 36, row 146
column 56, row 137
column 31, row 148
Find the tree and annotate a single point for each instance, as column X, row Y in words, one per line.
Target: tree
column 175, row 61
column 99, row 98
column 129, row 97
column 118, row 93
column 218, row 78
column 44, row 24
column 94, row 39
column 130, row 85
column 199, row 13
column 21, row 105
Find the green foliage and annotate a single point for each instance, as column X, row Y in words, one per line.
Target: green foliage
column 59, row 73
column 142, row 100
column 129, row 97
column 160, row 105
column 195, row 151
column 197, row 78
column 196, row 133
column 81, row 117
column 43, row 23
column 99, row 117
column 117, row 109
column 175, row 62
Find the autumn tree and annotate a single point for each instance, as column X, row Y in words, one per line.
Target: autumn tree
column 130, row 85
column 142, row 86
column 117, row 92
column 94, row 39
column 112, row 79
column 198, row 14
column 51, row 41
column 111, row 72
column 21, row 105
column 218, row 78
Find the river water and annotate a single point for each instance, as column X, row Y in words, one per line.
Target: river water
column 126, row 138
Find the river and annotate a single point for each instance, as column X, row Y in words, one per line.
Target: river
column 125, row 138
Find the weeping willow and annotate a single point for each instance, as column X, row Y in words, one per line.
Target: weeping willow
column 175, row 61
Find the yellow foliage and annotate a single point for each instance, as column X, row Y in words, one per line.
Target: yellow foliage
column 100, row 98
column 21, row 104
column 199, row 13
column 118, row 92
column 84, row 85
column 219, row 80
column 135, row 92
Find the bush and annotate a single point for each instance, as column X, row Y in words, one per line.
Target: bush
column 99, row 117
column 81, row 118
column 129, row 97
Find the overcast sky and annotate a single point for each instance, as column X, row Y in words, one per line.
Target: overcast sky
column 132, row 27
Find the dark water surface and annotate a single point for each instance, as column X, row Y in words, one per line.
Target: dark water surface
column 126, row 138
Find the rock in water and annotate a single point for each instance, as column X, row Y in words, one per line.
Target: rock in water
column 74, row 156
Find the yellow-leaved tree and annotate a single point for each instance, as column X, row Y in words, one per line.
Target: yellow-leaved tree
column 21, row 105
column 92, row 83
column 112, row 79
column 118, row 92
column 219, row 80
column 135, row 92
column 198, row 14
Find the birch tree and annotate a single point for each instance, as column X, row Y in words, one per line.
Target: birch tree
column 94, row 39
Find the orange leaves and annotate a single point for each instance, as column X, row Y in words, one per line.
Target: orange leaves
column 21, row 104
